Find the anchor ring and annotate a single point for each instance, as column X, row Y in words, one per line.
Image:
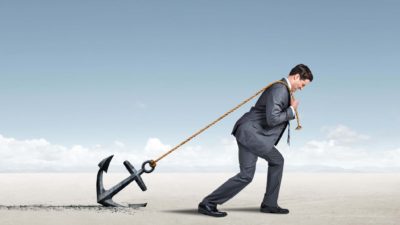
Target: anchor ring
column 150, row 162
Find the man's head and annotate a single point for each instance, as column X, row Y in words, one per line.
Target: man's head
column 299, row 77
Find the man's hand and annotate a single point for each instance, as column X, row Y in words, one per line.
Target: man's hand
column 294, row 103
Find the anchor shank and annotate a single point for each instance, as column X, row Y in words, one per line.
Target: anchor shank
column 117, row 188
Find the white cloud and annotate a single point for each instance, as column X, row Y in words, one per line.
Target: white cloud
column 36, row 155
column 39, row 155
column 342, row 135
column 342, row 148
column 192, row 157
column 154, row 145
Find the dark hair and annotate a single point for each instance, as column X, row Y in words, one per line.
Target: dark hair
column 303, row 70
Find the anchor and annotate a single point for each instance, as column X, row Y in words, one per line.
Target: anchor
column 104, row 196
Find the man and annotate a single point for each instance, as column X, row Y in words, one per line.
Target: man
column 257, row 133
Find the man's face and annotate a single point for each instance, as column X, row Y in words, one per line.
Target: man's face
column 299, row 84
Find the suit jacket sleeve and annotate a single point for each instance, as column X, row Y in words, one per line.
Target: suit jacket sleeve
column 278, row 110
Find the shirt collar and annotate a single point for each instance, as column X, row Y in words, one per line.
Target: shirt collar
column 290, row 86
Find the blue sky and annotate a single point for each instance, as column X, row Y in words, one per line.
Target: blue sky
column 96, row 73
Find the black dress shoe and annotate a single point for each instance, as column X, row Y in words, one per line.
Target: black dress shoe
column 210, row 210
column 277, row 210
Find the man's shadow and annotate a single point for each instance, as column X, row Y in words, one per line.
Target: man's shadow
column 194, row 210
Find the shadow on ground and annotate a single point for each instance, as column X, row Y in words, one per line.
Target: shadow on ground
column 193, row 211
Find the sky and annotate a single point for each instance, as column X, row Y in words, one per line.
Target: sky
column 81, row 80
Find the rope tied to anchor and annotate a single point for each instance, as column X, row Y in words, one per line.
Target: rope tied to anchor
column 153, row 163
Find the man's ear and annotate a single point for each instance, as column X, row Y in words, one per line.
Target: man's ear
column 297, row 76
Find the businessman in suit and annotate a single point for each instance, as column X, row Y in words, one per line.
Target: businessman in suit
column 257, row 133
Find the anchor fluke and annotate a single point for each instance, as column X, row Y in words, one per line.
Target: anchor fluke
column 105, row 163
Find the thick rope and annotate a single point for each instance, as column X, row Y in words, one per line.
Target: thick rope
column 153, row 163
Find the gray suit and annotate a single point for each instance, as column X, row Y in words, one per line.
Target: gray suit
column 257, row 132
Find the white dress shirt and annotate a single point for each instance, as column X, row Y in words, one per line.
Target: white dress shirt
column 290, row 88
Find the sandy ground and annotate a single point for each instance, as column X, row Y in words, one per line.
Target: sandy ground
column 313, row 198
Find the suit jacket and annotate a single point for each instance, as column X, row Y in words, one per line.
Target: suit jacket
column 262, row 127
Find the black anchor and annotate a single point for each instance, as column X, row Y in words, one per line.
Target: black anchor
column 104, row 196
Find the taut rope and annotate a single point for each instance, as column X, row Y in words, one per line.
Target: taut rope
column 153, row 163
